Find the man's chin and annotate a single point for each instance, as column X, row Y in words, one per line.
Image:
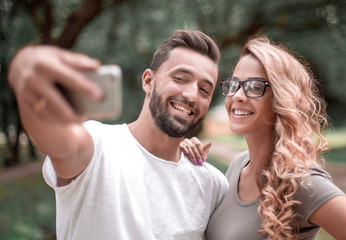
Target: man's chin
column 177, row 131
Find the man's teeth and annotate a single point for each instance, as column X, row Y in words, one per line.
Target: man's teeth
column 182, row 109
column 242, row 112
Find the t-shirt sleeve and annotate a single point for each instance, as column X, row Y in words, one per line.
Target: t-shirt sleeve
column 315, row 191
column 48, row 171
column 223, row 186
column 221, row 183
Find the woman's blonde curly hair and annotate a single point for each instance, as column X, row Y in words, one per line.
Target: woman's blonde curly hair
column 297, row 139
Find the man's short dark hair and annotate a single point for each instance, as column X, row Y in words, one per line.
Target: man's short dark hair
column 194, row 40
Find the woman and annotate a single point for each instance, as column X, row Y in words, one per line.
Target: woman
column 278, row 189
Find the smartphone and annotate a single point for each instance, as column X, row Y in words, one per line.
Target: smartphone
column 109, row 78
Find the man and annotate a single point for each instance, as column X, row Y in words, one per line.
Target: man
column 126, row 181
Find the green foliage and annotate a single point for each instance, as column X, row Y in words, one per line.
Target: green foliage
column 218, row 163
column 16, row 29
column 336, row 156
column 128, row 33
column 27, row 209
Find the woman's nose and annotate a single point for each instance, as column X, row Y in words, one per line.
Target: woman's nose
column 240, row 95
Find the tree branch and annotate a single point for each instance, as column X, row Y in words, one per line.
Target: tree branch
column 76, row 21
column 88, row 10
column 241, row 37
column 41, row 13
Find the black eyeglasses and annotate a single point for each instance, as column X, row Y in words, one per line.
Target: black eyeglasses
column 253, row 87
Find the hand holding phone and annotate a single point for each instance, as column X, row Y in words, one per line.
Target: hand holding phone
column 109, row 78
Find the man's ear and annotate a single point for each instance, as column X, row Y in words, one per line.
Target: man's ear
column 147, row 81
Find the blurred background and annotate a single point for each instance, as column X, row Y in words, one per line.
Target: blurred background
column 127, row 32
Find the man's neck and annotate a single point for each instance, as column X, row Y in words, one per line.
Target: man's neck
column 155, row 141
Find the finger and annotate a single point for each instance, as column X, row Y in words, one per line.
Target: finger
column 189, row 153
column 206, row 149
column 57, row 71
column 183, row 148
column 57, row 107
column 186, row 144
column 80, row 61
column 198, row 150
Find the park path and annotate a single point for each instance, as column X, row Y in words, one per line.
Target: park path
column 20, row 171
column 222, row 150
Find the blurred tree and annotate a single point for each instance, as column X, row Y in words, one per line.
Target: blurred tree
column 15, row 20
column 314, row 28
column 14, row 32
column 127, row 32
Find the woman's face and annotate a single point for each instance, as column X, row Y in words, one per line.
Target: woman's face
column 250, row 115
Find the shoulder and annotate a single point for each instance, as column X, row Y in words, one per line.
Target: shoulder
column 212, row 170
column 317, row 175
column 216, row 178
column 241, row 158
column 316, row 189
column 97, row 129
column 238, row 163
column 211, row 174
column 318, row 182
column 107, row 137
column 317, row 171
column 93, row 124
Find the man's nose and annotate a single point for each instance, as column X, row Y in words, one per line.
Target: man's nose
column 190, row 92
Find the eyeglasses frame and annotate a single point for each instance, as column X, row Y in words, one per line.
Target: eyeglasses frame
column 241, row 83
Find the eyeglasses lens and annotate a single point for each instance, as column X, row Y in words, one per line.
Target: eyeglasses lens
column 252, row 88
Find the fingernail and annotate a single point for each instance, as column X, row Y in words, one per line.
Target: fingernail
column 194, row 161
column 200, row 162
column 203, row 159
column 186, row 151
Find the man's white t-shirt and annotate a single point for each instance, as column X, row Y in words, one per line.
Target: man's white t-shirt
column 128, row 193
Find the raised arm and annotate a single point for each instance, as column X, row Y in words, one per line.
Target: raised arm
column 46, row 116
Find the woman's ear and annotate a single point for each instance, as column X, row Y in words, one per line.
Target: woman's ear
column 147, row 81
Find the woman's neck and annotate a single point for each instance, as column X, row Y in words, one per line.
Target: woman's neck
column 249, row 183
column 260, row 150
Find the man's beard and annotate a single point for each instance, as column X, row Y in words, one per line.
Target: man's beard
column 173, row 126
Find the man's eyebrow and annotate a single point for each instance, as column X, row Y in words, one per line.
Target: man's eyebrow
column 207, row 81
column 184, row 70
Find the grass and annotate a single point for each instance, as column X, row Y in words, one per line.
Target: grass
column 323, row 235
column 27, row 209
column 27, row 205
